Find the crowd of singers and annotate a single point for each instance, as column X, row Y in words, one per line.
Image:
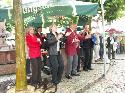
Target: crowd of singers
column 74, row 44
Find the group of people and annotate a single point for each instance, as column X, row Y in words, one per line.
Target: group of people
column 74, row 44
column 34, row 43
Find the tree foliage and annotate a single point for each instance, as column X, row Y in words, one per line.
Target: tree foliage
column 113, row 8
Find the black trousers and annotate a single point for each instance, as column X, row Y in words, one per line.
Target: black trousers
column 36, row 70
column 28, row 66
column 111, row 52
column 81, row 59
column 78, row 67
column 88, row 57
column 57, row 67
column 101, row 52
column 45, row 60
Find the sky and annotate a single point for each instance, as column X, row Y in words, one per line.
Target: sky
column 119, row 24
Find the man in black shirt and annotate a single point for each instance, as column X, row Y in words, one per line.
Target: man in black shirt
column 87, row 46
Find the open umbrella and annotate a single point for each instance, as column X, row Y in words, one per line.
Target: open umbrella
column 118, row 32
column 112, row 30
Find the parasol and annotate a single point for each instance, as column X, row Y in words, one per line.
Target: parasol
column 112, row 30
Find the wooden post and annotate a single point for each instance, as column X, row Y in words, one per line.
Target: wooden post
column 20, row 47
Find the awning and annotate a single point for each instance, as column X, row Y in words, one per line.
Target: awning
column 4, row 14
column 69, row 8
column 86, row 8
column 56, row 9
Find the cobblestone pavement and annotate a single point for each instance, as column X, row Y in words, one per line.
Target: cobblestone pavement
column 92, row 81
column 78, row 83
column 114, row 81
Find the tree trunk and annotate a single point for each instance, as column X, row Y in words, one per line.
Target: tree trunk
column 20, row 47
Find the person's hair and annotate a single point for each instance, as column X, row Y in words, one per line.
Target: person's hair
column 28, row 29
column 39, row 27
column 85, row 25
column 50, row 27
column 72, row 24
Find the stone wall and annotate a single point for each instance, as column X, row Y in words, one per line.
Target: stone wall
column 7, row 62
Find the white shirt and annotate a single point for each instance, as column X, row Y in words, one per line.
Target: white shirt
column 112, row 40
column 58, row 45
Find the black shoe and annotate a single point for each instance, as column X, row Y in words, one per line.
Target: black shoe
column 40, row 84
column 78, row 70
column 96, row 60
column 75, row 74
column 90, row 69
column 68, row 76
column 36, row 86
column 85, row 69
column 54, row 86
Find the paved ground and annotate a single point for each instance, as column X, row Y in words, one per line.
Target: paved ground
column 76, row 85
column 114, row 81
column 92, row 81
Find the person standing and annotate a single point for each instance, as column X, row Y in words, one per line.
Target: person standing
column 40, row 35
column 110, row 42
column 28, row 67
column 42, row 38
column 71, row 45
column 101, row 50
column 87, row 48
column 96, row 46
column 55, row 57
column 80, row 52
column 34, row 44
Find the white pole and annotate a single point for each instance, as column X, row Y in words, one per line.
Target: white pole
column 102, row 8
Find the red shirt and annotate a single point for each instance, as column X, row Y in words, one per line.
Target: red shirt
column 71, row 46
column 81, row 38
column 33, row 45
column 40, row 37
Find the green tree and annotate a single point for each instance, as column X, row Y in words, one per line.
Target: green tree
column 113, row 8
column 20, row 46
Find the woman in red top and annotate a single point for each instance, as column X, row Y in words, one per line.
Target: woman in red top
column 34, row 44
